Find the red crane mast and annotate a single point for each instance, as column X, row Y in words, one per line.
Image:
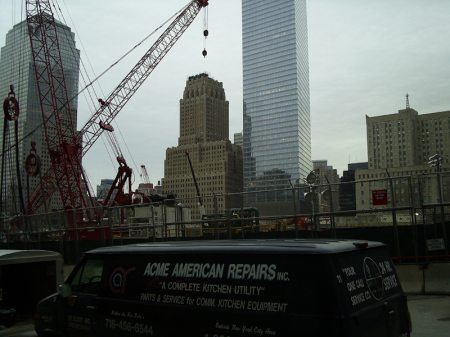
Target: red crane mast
column 63, row 146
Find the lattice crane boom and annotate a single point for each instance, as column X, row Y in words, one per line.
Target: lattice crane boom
column 144, row 175
column 109, row 108
column 63, row 147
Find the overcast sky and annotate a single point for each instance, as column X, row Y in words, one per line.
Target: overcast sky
column 364, row 57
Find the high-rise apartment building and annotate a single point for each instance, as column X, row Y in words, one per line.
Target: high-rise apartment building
column 276, row 117
column 17, row 68
column 400, row 145
column 204, row 129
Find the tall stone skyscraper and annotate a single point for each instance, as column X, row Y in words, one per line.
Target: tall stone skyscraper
column 17, row 68
column 204, row 133
column 277, row 127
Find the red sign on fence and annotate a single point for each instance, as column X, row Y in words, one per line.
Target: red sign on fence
column 379, row 197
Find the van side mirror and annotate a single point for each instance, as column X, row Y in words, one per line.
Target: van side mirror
column 65, row 290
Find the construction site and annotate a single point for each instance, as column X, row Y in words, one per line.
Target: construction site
column 53, row 205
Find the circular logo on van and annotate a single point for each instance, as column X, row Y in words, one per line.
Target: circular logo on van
column 118, row 279
column 374, row 279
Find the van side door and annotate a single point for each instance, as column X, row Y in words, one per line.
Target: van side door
column 77, row 314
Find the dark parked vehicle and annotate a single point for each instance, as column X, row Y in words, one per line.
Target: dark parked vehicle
column 230, row 288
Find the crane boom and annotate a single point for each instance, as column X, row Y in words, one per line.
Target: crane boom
column 145, row 176
column 109, row 109
column 200, row 202
column 71, row 150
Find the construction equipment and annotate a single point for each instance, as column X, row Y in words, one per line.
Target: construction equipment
column 144, row 175
column 235, row 219
column 146, row 187
column 66, row 146
column 200, row 202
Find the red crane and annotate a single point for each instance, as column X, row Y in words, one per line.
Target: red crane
column 66, row 146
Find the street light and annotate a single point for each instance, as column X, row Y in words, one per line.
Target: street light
column 311, row 178
column 310, row 197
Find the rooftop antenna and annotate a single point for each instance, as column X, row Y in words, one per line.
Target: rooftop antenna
column 407, row 101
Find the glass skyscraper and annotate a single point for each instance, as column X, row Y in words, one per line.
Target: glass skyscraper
column 277, row 127
column 17, row 68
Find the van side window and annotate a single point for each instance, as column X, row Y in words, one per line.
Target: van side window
column 88, row 277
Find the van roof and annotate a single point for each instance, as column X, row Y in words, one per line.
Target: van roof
column 272, row 246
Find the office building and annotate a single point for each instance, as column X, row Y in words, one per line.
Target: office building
column 327, row 179
column 204, row 134
column 17, row 68
column 104, row 188
column 276, row 116
column 238, row 139
column 347, row 189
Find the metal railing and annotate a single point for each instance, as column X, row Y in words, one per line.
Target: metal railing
column 411, row 214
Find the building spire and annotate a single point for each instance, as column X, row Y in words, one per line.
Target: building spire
column 407, row 101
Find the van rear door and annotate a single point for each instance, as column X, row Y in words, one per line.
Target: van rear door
column 372, row 293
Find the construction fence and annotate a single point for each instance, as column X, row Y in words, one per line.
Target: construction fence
column 411, row 214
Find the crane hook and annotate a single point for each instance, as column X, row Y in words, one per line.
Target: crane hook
column 11, row 106
column 204, row 52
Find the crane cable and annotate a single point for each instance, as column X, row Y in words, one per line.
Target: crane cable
column 83, row 74
column 113, row 140
column 205, row 28
column 127, row 53
column 8, row 137
column 93, row 81
column 61, row 18
column 93, row 101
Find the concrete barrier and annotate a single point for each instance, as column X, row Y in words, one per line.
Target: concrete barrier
column 427, row 279
column 411, row 278
column 437, row 278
